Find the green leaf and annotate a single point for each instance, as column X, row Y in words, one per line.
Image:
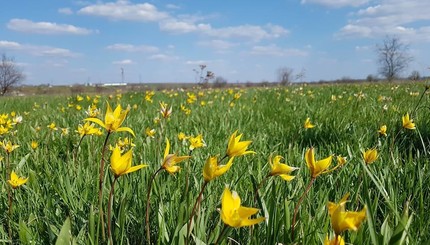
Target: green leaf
column 65, row 236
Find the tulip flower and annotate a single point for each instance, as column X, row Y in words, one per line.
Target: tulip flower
column 9, row 147
column 170, row 160
column 196, row 142
column 281, row 169
column 308, row 123
column 113, row 120
column 383, row 130
column 370, row 156
column 212, row 170
column 342, row 220
column 15, row 181
column 337, row 240
column 121, row 164
column 316, row 167
column 235, row 215
column 237, row 147
column 407, row 122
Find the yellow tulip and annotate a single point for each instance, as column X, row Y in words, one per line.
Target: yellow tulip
column 337, row 240
column 235, row 215
column 370, row 156
column 87, row 129
column 281, row 169
column 237, row 148
column 9, row 147
column 34, row 144
column 342, row 220
column 308, row 123
column 121, row 164
column 113, row 120
column 170, row 160
column 196, row 142
column 407, row 122
column 316, row 167
column 15, row 181
column 150, row 132
column 383, row 130
column 212, row 170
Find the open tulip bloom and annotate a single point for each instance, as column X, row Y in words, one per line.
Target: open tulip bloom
column 170, row 161
column 237, row 147
column 407, row 122
column 342, row 220
column 317, row 167
column 281, row 169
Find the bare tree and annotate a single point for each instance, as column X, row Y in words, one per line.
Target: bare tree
column 10, row 74
column 393, row 57
column 285, row 75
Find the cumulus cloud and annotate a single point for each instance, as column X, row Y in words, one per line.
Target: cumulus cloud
column 124, row 10
column 217, row 44
column 28, row 26
column 250, row 32
column 274, row 50
column 132, row 48
column 38, row 50
column 123, row 62
column 406, row 19
column 337, row 3
column 181, row 26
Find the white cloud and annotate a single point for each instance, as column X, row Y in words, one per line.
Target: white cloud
column 337, row 3
column 251, row 32
column 38, row 50
column 218, row 44
column 28, row 26
column 123, row 62
column 163, row 57
column 132, row 48
column 124, row 10
column 274, row 50
column 172, row 6
column 66, row 11
column 179, row 26
column 406, row 19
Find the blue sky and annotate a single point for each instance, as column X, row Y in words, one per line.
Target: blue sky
column 68, row 42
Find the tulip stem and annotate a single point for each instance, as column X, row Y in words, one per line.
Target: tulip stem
column 75, row 153
column 148, row 233
column 193, row 212
column 259, row 186
column 10, row 201
column 111, row 194
column 101, row 176
column 296, row 209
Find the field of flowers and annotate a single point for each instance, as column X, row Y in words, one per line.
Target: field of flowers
column 320, row 164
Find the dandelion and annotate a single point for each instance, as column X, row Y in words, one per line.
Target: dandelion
column 407, row 122
column 308, row 123
column 383, row 130
column 237, row 147
column 370, row 156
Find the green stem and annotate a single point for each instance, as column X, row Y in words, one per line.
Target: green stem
column 10, row 201
column 148, row 233
column 193, row 212
column 296, row 209
column 111, row 195
column 75, row 153
column 101, row 175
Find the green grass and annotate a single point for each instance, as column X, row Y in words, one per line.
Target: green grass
column 395, row 188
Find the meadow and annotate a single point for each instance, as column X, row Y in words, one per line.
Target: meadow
column 60, row 201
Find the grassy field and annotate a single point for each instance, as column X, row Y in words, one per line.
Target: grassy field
column 60, row 201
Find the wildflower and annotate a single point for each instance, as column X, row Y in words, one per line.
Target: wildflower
column 235, row 215
column 342, row 220
column 370, row 156
column 280, row 169
column 9, row 147
column 15, row 181
column 341, row 160
column 17, row 120
column 87, row 129
column 212, row 170
column 121, row 164
column 316, row 167
column 337, row 240
column 308, row 123
column 383, row 130
column 170, row 160
column 408, row 123
column 150, row 132
column 182, row 136
column 165, row 112
column 196, row 142
column 92, row 111
column 52, row 127
column 64, row 131
column 113, row 120
column 237, row 148
column 34, row 145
